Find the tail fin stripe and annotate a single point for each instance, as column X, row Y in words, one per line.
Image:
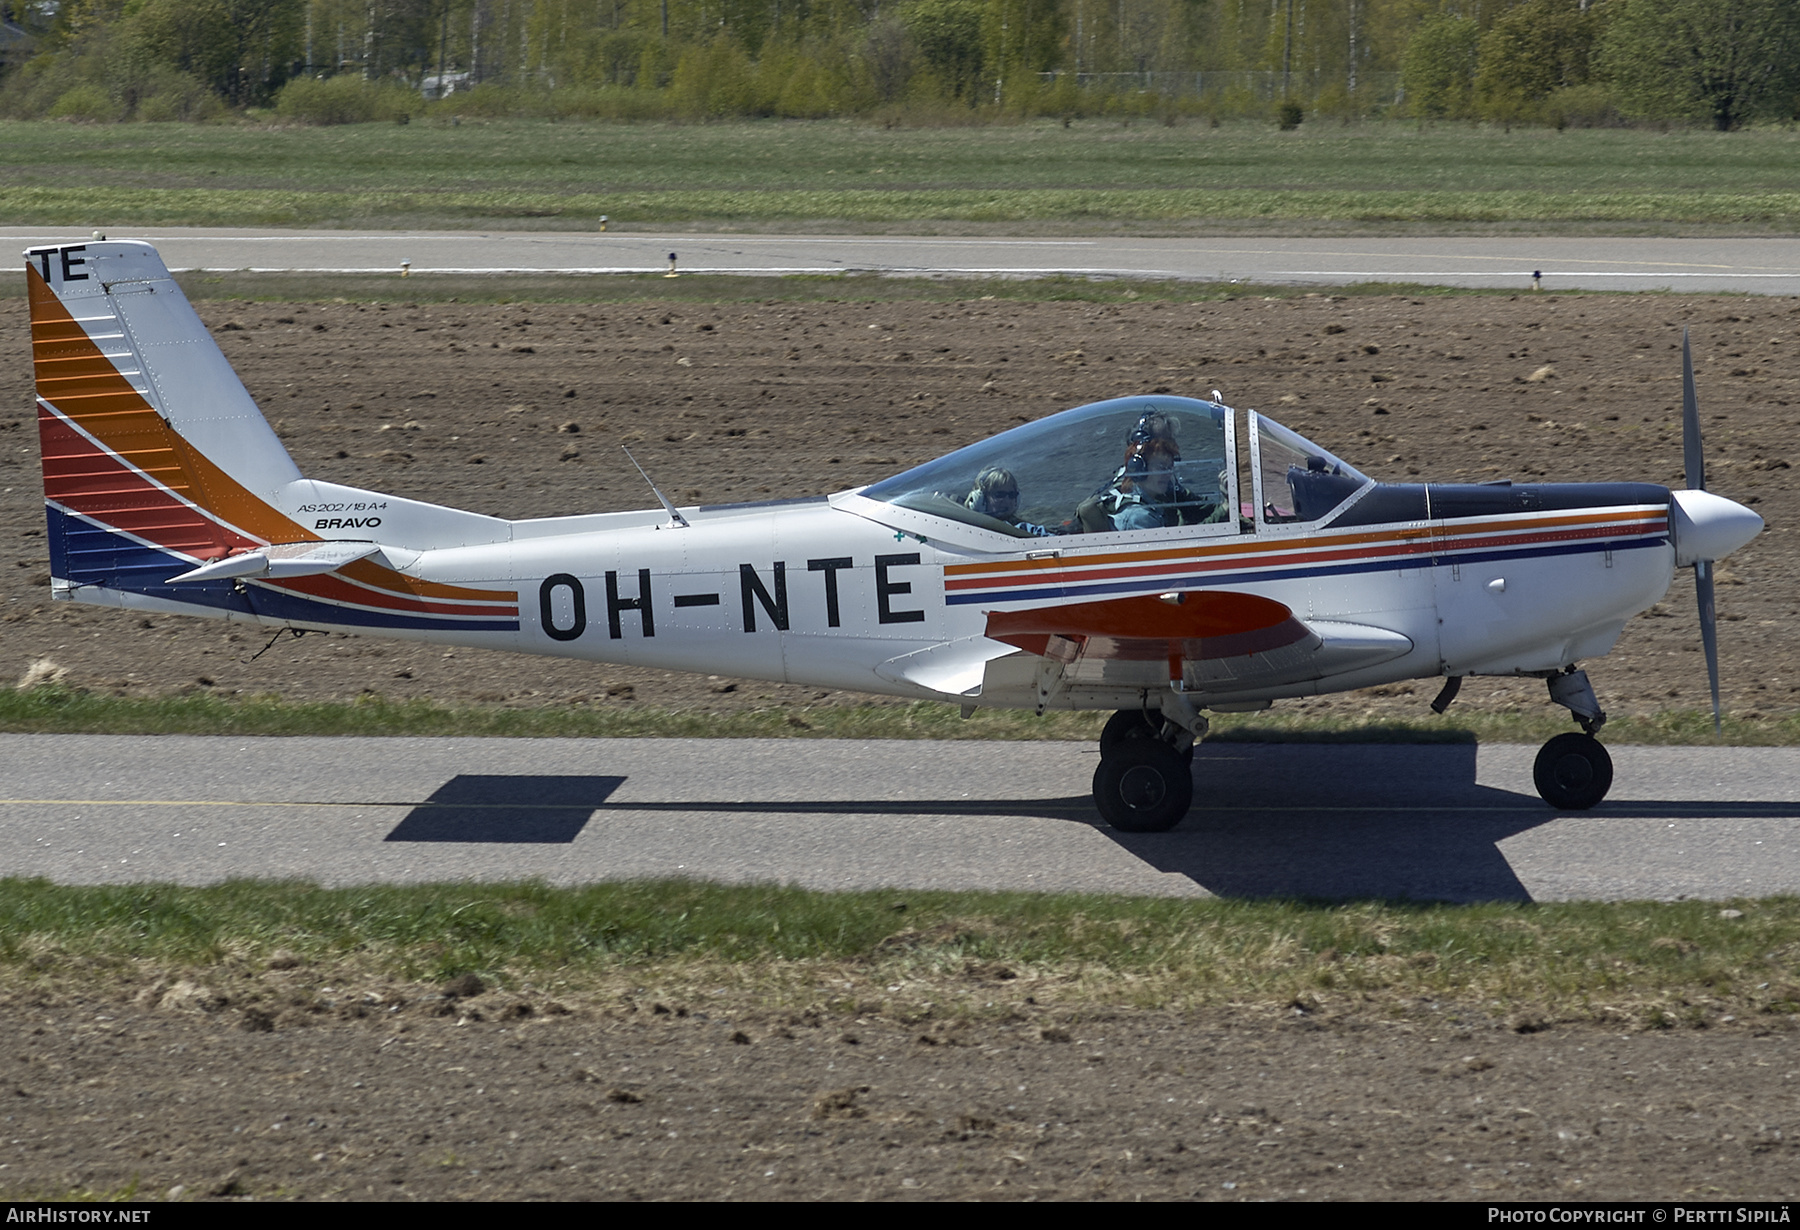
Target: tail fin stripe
column 149, row 435
column 97, row 404
column 126, row 471
column 68, row 477
column 73, row 364
column 331, row 589
column 190, row 538
column 153, row 461
column 277, row 605
column 97, row 545
column 139, row 569
column 369, row 573
column 62, row 438
column 118, row 416
column 119, row 495
column 159, row 463
column 454, row 598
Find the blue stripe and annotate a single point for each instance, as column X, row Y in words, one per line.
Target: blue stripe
column 1215, row 580
column 89, row 555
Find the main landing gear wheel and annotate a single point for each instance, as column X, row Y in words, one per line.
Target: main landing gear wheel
column 1143, row 786
column 1133, row 724
column 1573, row 772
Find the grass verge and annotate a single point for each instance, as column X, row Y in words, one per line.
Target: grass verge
column 733, row 288
column 1772, row 210
column 1636, row 964
column 56, row 709
column 1091, row 175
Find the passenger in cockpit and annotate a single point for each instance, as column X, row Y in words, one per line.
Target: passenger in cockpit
column 996, row 495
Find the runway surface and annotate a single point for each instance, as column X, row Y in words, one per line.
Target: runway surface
column 1443, row 822
column 1758, row 266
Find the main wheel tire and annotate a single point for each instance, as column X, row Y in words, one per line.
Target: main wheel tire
column 1573, row 772
column 1132, row 724
column 1143, row 786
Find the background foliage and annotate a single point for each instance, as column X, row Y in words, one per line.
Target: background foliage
column 1560, row 62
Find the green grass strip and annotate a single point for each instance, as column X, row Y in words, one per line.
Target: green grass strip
column 56, row 709
column 100, row 205
column 1647, row 962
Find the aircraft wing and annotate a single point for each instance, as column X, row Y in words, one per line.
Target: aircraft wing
column 1211, row 640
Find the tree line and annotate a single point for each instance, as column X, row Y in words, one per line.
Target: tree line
column 1719, row 62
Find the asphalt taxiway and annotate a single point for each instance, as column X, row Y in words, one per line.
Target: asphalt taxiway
column 1455, row 822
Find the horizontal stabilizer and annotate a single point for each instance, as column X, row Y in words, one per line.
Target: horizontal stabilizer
column 287, row 559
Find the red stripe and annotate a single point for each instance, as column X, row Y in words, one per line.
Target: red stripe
column 85, row 480
column 336, row 589
column 1072, row 574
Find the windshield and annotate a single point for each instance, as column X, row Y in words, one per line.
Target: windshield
column 1295, row 479
column 1133, row 463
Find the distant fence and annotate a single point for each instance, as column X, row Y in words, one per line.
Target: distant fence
column 1260, row 86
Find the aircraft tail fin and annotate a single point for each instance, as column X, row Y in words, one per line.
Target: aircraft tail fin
column 165, row 487
column 149, row 439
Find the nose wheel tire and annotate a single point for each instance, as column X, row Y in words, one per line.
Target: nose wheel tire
column 1573, row 772
column 1143, row 786
column 1133, row 724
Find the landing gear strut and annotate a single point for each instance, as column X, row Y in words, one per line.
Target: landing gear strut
column 1573, row 771
column 1129, row 724
column 1145, row 782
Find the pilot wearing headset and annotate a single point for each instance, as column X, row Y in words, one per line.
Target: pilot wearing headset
column 1145, row 493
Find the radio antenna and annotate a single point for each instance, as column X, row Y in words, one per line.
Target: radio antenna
column 675, row 517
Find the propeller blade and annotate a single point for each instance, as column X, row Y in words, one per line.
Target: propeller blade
column 1709, row 633
column 1693, row 458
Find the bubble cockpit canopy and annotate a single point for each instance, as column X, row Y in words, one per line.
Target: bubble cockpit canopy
column 1129, row 464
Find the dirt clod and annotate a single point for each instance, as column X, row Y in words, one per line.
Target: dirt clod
column 464, row 986
column 840, row 1104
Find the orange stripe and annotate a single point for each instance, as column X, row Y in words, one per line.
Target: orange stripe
column 1268, row 557
column 336, row 589
column 371, row 573
column 1240, row 548
column 113, row 412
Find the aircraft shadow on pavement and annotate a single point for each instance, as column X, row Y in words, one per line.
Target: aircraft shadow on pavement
column 1329, row 821
column 475, row 807
column 1338, row 821
column 1387, row 821
column 1322, row 821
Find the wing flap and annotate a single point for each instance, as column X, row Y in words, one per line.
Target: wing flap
column 1210, row 640
column 956, row 668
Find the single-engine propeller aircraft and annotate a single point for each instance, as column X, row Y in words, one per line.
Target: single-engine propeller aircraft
column 1127, row 555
